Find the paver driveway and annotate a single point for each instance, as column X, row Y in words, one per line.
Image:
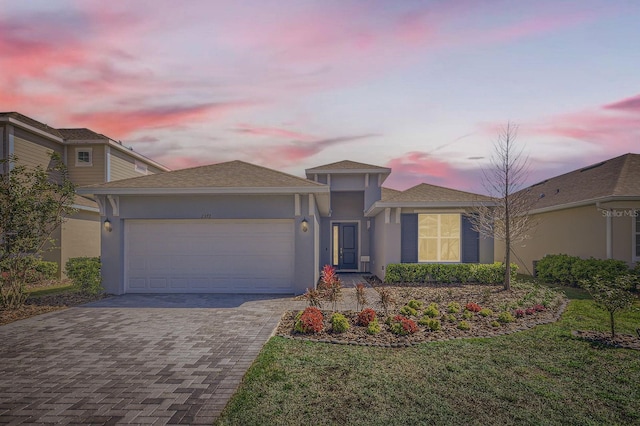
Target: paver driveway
column 158, row 359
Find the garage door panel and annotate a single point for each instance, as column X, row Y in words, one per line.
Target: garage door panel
column 209, row 256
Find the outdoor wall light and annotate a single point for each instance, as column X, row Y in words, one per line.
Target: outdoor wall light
column 304, row 225
column 107, row 225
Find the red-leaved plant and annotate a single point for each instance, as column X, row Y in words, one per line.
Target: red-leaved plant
column 310, row 321
column 402, row 325
column 366, row 316
column 530, row 311
column 538, row 308
column 361, row 297
column 519, row 313
column 330, row 284
column 473, row 307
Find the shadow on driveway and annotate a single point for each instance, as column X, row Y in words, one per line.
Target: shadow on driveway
column 277, row 301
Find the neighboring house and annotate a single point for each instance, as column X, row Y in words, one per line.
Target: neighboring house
column 236, row 227
column 590, row 212
column 90, row 157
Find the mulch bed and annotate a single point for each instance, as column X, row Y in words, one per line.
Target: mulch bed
column 620, row 341
column 48, row 303
column 492, row 297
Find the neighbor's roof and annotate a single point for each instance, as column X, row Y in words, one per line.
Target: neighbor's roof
column 348, row 166
column 230, row 175
column 388, row 193
column 85, row 203
column 616, row 177
column 427, row 193
column 31, row 122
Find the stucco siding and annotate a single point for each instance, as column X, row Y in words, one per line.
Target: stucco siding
column 86, row 175
column 578, row 231
column 387, row 241
column 347, row 183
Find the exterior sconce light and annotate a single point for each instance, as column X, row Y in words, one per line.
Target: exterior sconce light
column 304, row 225
column 107, row 225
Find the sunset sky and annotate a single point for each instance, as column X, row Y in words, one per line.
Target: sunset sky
column 418, row 86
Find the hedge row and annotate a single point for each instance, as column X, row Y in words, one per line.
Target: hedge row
column 571, row 270
column 447, row 273
column 42, row 271
column 84, row 272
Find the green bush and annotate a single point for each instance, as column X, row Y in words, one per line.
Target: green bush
column 339, row 323
column 467, row 315
column 373, row 327
column 485, row 312
column 41, row 271
column 431, row 323
column 453, row 307
column 572, row 270
column 84, row 272
column 415, row 304
column 463, row 325
column 505, row 317
column 446, row 273
column 432, row 311
column 495, row 324
column 408, row 311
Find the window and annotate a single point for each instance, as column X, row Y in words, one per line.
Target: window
column 84, row 157
column 140, row 167
column 438, row 238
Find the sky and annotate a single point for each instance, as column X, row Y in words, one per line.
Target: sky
column 422, row 87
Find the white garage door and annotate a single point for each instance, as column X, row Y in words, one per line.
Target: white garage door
column 209, row 256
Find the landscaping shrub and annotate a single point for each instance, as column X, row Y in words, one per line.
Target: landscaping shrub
column 41, row 271
column 432, row 310
column 331, row 285
column 385, row 299
column 463, row 325
column 612, row 295
column 415, row 304
column 486, row 312
column 373, row 327
column 473, row 307
column 495, row 324
column 313, row 297
column 361, row 296
column 505, row 317
column 519, row 313
column 453, row 307
column 467, row 315
column 366, row 316
column 431, row 323
column 402, row 325
column 446, row 273
column 84, row 272
column 572, row 270
column 408, row 311
column 309, row 321
column 339, row 323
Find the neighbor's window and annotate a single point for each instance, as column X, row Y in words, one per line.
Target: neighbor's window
column 439, row 238
column 140, row 167
column 84, row 157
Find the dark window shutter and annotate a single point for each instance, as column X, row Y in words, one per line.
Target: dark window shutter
column 409, row 238
column 470, row 242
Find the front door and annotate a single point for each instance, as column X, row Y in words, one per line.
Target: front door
column 345, row 246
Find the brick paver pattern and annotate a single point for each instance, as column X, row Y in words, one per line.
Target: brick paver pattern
column 165, row 359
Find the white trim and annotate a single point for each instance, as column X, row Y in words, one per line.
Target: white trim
column 107, row 160
column 331, row 222
column 387, row 215
column 398, row 212
column 88, row 150
column 140, row 167
column 86, row 208
column 635, row 257
column 312, row 205
column 32, row 129
column 296, row 205
column 215, row 190
column 609, row 236
column 115, row 204
column 101, row 206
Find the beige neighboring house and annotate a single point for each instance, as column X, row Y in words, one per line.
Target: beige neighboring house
column 590, row 212
column 90, row 157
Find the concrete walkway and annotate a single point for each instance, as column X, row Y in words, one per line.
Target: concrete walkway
column 139, row 359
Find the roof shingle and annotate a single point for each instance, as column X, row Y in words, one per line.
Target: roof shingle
column 425, row 192
column 347, row 165
column 31, row 122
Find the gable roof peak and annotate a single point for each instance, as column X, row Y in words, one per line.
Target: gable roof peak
column 347, row 166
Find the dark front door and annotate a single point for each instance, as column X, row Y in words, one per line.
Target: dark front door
column 345, row 246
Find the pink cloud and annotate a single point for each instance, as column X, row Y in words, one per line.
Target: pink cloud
column 417, row 167
column 631, row 104
column 273, row 132
column 118, row 124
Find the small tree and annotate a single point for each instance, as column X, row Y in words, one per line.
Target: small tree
column 613, row 296
column 361, row 296
column 508, row 219
column 330, row 285
column 33, row 204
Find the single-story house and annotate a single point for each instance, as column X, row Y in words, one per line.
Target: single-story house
column 590, row 212
column 236, row 227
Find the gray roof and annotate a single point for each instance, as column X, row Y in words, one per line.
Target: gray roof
column 616, row 177
column 31, row 122
column 388, row 193
column 232, row 174
column 81, row 134
column 347, row 165
column 427, row 193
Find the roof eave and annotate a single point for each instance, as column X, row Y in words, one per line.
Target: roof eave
column 377, row 207
column 32, row 129
column 203, row 191
column 384, row 171
column 583, row 203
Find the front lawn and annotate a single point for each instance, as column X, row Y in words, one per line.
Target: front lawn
column 540, row 376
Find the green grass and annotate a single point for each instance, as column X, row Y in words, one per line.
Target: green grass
column 55, row 289
column 539, row 376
